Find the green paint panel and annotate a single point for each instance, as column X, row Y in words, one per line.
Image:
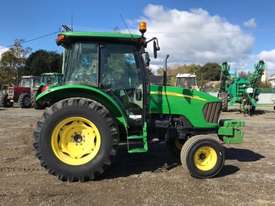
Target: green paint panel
column 231, row 131
column 143, row 140
column 113, row 35
column 183, row 102
column 56, row 93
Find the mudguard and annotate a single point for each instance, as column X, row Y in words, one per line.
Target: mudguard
column 56, row 93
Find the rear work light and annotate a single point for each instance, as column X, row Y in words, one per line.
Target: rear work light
column 60, row 39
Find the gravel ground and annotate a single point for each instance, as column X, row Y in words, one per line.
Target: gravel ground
column 155, row 178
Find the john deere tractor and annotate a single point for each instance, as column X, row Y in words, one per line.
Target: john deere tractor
column 47, row 80
column 52, row 78
column 241, row 90
column 106, row 99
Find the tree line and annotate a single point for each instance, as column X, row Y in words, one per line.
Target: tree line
column 19, row 60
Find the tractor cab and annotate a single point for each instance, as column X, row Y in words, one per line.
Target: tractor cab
column 187, row 80
column 29, row 82
column 115, row 67
column 51, row 78
column 47, row 80
column 112, row 63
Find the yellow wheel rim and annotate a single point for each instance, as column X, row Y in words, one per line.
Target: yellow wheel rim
column 205, row 158
column 75, row 140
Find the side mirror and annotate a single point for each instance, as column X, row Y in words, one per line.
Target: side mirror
column 165, row 70
column 138, row 94
column 156, row 48
column 146, row 59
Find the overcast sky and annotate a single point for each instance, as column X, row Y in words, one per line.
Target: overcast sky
column 191, row 31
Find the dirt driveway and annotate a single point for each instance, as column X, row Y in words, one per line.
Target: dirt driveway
column 155, row 178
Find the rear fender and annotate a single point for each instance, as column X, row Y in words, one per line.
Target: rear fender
column 56, row 93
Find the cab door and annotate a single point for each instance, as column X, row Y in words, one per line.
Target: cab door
column 121, row 76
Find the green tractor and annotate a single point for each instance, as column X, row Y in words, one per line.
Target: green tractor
column 47, row 80
column 106, row 99
column 241, row 90
column 52, row 78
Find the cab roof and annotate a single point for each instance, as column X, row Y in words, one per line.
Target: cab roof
column 51, row 73
column 29, row 76
column 102, row 35
column 182, row 75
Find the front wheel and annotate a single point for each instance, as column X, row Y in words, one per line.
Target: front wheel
column 25, row 100
column 74, row 139
column 203, row 156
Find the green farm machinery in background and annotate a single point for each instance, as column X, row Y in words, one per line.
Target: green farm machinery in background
column 52, row 78
column 47, row 80
column 106, row 99
column 241, row 90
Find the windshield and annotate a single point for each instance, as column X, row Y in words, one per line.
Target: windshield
column 187, row 82
column 51, row 79
column 26, row 82
column 81, row 63
column 30, row 82
column 120, row 67
column 36, row 82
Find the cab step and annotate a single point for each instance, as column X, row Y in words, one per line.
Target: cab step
column 138, row 143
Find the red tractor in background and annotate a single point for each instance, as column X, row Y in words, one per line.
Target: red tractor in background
column 22, row 93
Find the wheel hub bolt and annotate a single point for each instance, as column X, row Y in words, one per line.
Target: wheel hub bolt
column 77, row 138
column 202, row 156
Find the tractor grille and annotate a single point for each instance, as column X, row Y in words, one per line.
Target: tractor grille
column 212, row 112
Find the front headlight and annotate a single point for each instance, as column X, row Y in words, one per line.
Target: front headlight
column 249, row 90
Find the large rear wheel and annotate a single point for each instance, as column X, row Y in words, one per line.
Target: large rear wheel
column 4, row 101
column 74, row 139
column 203, row 156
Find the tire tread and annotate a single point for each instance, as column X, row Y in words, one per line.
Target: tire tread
column 79, row 102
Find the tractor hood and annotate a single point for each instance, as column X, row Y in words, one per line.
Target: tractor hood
column 201, row 109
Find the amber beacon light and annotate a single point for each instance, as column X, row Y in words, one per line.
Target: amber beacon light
column 142, row 27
